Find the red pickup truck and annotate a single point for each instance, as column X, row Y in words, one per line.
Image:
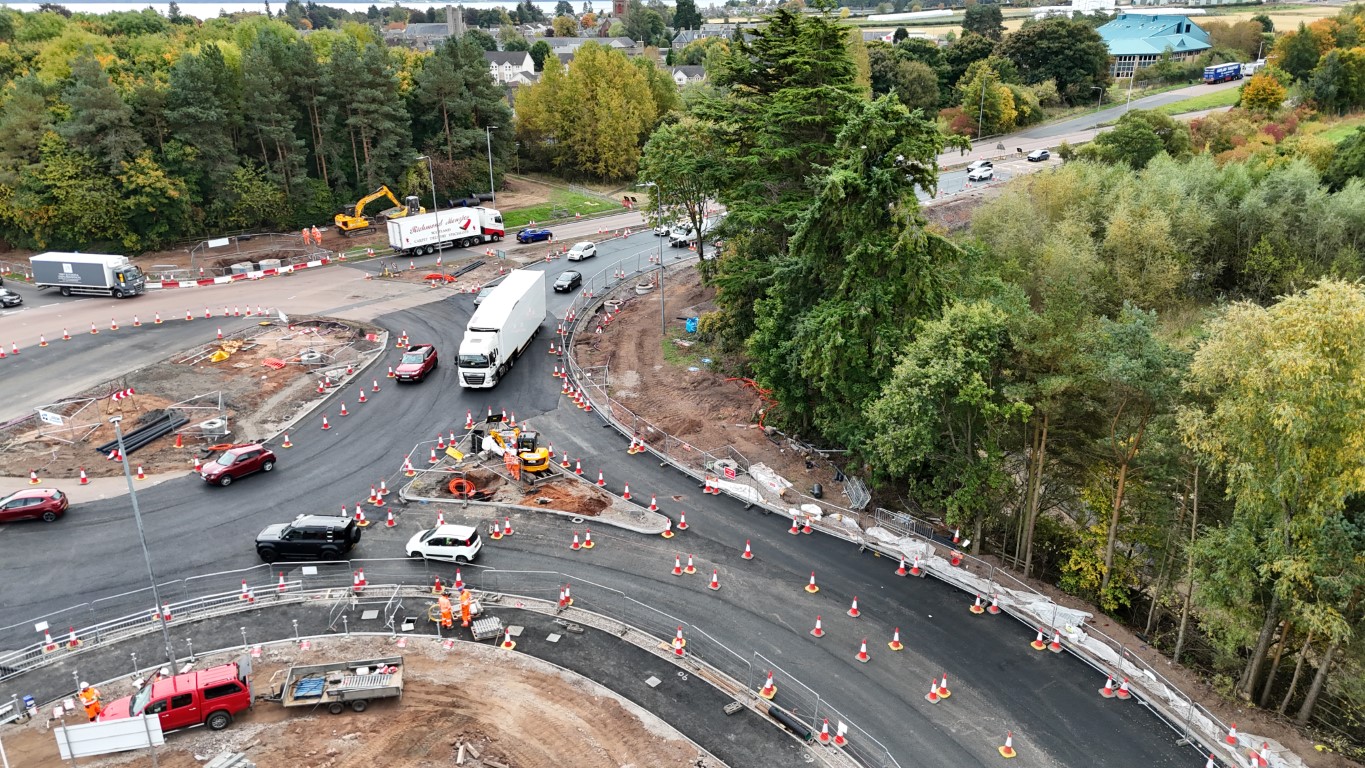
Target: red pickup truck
column 417, row 362
column 209, row 696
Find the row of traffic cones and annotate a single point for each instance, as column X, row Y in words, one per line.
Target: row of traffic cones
column 137, row 323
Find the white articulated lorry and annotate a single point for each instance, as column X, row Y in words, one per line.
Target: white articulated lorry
column 502, row 328
column 451, row 228
column 97, row 274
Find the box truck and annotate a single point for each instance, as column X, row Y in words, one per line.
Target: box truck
column 502, row 328
column 91, row 274
column 453, row 228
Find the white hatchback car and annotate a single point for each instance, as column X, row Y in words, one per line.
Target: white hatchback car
column 583, row 250
column 456, row 543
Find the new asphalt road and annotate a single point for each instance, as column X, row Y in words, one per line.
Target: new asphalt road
column 761, row 614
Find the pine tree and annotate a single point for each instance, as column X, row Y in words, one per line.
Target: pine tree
column 101, row 123
column 203, row 110
column 23, row 122
column 269, row 96
column 371, row 114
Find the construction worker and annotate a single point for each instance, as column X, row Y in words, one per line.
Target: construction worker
column 90, row 700
column 317, row 236
column 464, row 608
column 447, row 616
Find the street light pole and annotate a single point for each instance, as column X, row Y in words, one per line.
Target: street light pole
column 142, row 536
column 435, row 208
column 488, row 136
column 659, row 208
column 981, row 113
column 1099, row 98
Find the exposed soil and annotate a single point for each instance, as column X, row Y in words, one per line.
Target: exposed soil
column 512, row 709
column 552, row 491
column 256, row 397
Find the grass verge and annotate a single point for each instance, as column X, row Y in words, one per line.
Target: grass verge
column 563, row 204
column 1224, row 98
column 1342, row 129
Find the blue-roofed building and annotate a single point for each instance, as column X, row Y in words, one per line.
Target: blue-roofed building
column 1137, row 40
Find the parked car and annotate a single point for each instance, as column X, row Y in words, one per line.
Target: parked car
column 417, row 362
column 320, row 537
column 584, row 250
column 981, row 174
column 662, row 230
column 534, row 235
column 9, row 298
column 456, row 543
column 207, row 696
column 45, row 504
column 567, row 281
column 1039, row 155
column 237, row 462
column 483, row 294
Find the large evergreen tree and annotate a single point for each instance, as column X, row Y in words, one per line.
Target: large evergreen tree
column 203, row 110
column 101, row 123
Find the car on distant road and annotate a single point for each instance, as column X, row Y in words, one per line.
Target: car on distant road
column 662, row 230
column 977, row 165
column 417, row 362
column 455, row 543
column 584, row 250
column 9, row 298
column 237, row 462
column 45, row 504
column 981, row 174
column 534, row 235
column 567, row 281
column 483, row 294
column 314, row 537
column 1039, row 155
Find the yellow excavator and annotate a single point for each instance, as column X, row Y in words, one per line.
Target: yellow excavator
column 531, row 457
column 353, row 219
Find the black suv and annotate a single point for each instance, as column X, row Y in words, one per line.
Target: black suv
column 313, row 537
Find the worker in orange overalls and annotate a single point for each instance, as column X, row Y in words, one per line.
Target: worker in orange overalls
column 317, row 236
column 90, row 700
column 464, row 608
column 447, row 615
column 305, row 234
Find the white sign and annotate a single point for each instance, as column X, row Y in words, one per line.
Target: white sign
column 219, row 242
column 104, row 737
column 48, row 417
column 40, row 626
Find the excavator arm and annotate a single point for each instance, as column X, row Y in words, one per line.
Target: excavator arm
column 353, row 219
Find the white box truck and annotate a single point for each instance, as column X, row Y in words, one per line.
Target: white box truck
column 452, row 228
column 502, row 328
column 90, row 274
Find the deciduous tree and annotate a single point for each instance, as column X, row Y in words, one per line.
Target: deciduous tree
column 1070, row 53
column 1263, row 93
column 985, row 20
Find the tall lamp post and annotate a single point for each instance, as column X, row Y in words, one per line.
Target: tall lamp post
column 1099, row 98
column 435, row 208
column 142, row 536
column 488, row 136
column 659, row 208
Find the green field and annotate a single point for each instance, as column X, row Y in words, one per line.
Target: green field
column 1342, row 128
column 563, row 204
column 1224, row 98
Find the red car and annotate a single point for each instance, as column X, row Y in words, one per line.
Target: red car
column 238, row 462
column 417, row 362
column 46, row 504
column 209, row 696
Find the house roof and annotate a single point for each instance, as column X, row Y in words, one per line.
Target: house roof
column 610, row 42
column 689, row 71
column 1133, row 34
column 518, row 58
column 427, row 30
column 564, row 58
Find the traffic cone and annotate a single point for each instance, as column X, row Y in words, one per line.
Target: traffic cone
column 1007, row 751
column 325, row 425
column 468, row 420
column 507, row 526
column 768, row 691
column 578, row 468
column 818, row 631
column 915, row 570
column 33, row 477
column 440, row 517
column 805, row 525
column 93, row 329
column 839, row 732
column 994, row 608
column 360, row 519
column 1212, row 763
column 1260, row 759
column 1108, row 691
column 42, row 341
column 943, row 691
column 188, row 316
column 575, row 546
column 437, row 588
column 375, row 386
column 388, row 521
column 361, row 396
column 440, row 442
column 896, row 644
column 507, row 642
column 179, row 440
column 706, row 484
column 197, row 464
column 320, row 390
column 140, row 474
column 1039, row 643
column 48, row 645
column 901, row 570
column 113, row 324
column 862, row 653
column 136, row 322
column 496, row 535
column 245, row 591
column 677, row 565
column 568, row 595
column 748, row 553
column 564, row 461
column 286, row 443
column 601, row 481
column 955, row 559
column 1056, row 645
column 715, row 580
column 84, row 480
column 220, row 334
column 282, row 587
column 626, row 493
column 344, row 412
column 65, row 336
column 71, row 640
column 824, row 732
column 391, row 374
column 1123, row 693
column 459, row 580
column 512, row 420
column 932, row 695
column 587, row 539
column 811, row 588
column 795, row 530
column 678, row 645
column 653, row 503
column 1231, row 738
column 433, row 459
column 976, row 606
column 853, row 610
column 361, row 576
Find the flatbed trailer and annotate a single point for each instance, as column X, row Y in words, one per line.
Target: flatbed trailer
column 339, row 684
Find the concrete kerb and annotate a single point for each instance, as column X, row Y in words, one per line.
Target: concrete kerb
column 406, row 497
column 1035, row 610
column 308, row 409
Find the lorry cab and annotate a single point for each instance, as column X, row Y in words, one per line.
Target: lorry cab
column 208, row 696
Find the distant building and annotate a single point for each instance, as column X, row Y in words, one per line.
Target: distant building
column 687, row 74
column 879, row 36
column 572, row 44
column 1139, row 40
column 511, row 67
column 427, row 36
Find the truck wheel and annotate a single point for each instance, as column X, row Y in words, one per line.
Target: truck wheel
column 335, row 707
column 359, row 705
column 118, row 294
column 66, row 291
column 218, row 721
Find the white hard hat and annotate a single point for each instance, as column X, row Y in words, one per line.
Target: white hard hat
column 165, row 671
column 85, row 685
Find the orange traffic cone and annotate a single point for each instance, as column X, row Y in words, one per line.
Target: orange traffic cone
column 587, row 539
column 325, row 425
column 507, row 642
column 976, row 606
column 690, row 569
column 388, row 522
column 668, row 528
column 1056, row 645
column 575, row 546
column 943, row 691
column 408, row 471
column 853, row 610
column 1108, row 690
column 915, row 570
column 901, row 570
column 140, row 474
column 715, row 580
column 344, row 412
column 1039, row 643
column 197, row 464
column 1007, row 751
column 896, row 644
column 682, row 520
column 626, row 493
column 932, row 695
column 748, row 553
column 33, row 477
column 811, row 588
column 768, row 691
column 286, row 443
column 795, row 529
column 1123, row 692
column 824, row 732
column 862, row 653
column 818, row 631
column 677, row 565
column 507, row 526
column 994, row 608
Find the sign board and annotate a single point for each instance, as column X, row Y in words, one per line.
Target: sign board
column 219, row 242
column 502, row 254
column 454, row 454
column 102, row 738
column 48, row 417
column 730, row 473
column 40, row 626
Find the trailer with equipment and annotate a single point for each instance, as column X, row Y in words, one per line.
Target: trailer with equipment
column 339, row 684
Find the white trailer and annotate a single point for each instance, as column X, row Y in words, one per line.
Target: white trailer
column 502, row 328
column 98, row 274
column 451, row 228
